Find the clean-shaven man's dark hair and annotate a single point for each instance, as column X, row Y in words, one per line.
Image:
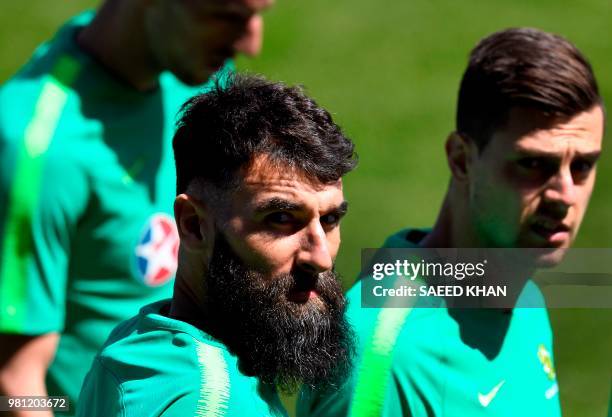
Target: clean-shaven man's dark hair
column 522, row 67
column 223, row 130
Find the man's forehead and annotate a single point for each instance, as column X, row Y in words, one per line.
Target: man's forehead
column 558, row 142
column 264, row 179
column 527, row 129
column 264, row 173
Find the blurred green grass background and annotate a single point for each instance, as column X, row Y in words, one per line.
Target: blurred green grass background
column 389, row 73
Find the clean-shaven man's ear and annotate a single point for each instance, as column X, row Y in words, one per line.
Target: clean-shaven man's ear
column 194, row 222
column 460, row 154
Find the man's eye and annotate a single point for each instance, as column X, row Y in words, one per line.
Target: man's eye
column 280, row 217
column 330, row 219
column 540, row 167
column 531, row 163
column 582, row 166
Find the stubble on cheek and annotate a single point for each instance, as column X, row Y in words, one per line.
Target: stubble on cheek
column 498, row 212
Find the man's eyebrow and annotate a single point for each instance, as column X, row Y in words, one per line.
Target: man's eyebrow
column 594, row 155
column 277, row 204
column 340, row 210
column 536, row 153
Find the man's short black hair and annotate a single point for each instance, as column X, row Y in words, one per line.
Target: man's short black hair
column 522, row 67
column 223, row 130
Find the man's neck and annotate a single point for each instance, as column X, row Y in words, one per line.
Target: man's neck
column 447, row 231
column 453, row 230
column 116, row 38
column 187, row 304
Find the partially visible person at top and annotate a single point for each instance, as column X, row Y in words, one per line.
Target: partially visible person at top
column 87, row 180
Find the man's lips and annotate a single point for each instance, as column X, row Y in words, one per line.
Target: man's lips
column 552, row 231
column 304, row 287
column 301, row 296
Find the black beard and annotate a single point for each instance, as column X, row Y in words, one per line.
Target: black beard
column 280, row 341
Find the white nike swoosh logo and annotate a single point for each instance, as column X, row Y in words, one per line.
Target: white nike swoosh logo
column 485, row 400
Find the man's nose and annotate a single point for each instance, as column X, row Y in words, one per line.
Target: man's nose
column 561, row 190
column 314, row 254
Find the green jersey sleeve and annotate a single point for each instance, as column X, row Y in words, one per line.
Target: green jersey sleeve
column 41, row 196
column 104, row 398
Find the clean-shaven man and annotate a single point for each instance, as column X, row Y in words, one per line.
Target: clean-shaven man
column 522, row 159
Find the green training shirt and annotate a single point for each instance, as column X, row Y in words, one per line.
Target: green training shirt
column 153, row 365
column 441, row 362
column 87, row 185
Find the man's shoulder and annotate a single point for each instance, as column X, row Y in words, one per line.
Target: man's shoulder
column 41, row 116
column 407, row 329
column 182, row 368
column 43, row 83
column 407, row 238
column 46, row 59
column 149, row 364
column 150, row 345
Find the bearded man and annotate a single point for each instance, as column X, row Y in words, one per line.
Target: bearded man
column 256, row 301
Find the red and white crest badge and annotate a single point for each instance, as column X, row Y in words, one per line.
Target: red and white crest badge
column 157, row 250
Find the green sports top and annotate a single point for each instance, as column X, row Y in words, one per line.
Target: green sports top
column 153, row 365
column 441, row 362
column 87, row 184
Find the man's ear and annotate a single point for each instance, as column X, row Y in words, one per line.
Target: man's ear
column 460, row 153
column 194, row 222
